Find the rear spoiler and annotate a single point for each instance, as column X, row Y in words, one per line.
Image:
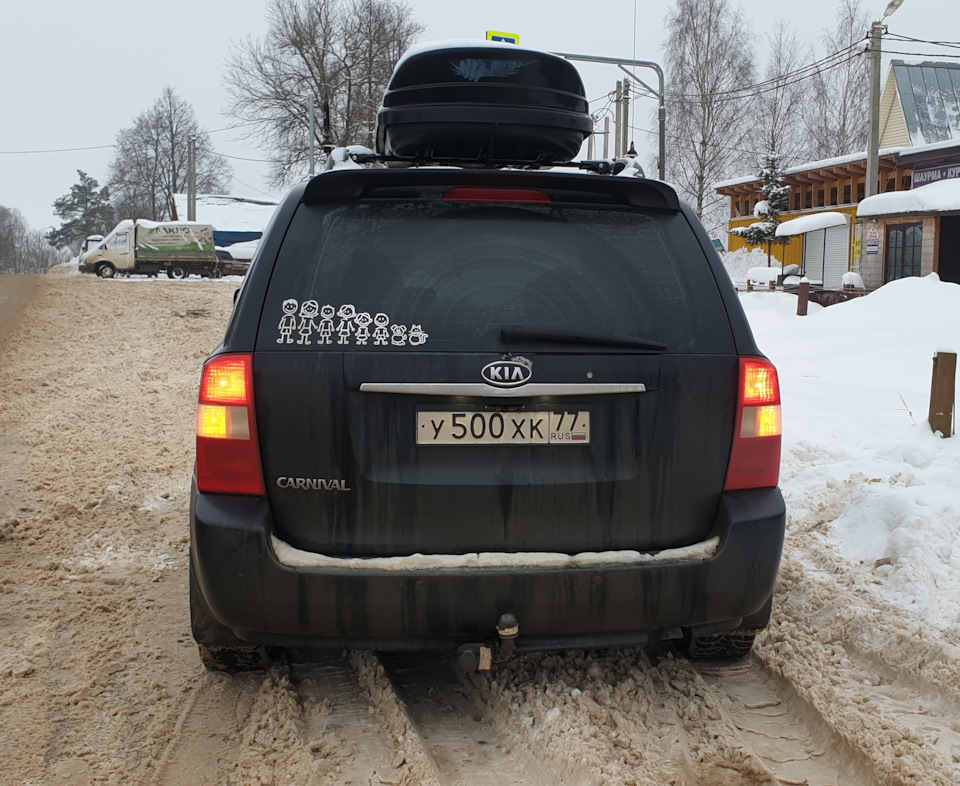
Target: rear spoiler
column 397, row 183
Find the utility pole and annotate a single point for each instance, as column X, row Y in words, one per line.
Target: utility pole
column 192, row 178
column 625, row 117
column 877, row 29
column 618, row 120
column 606, row 137
column 873, row 144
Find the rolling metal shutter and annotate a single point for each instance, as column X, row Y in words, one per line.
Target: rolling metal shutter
column 836, row 256
column 826, row 255
column 813, row 246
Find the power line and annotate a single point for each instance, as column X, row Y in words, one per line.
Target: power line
column 54, row 150
column 775, row 83
column 254, row 188
column 108, row 147
column 898, row 37
column 255, row 160
column 919, row 54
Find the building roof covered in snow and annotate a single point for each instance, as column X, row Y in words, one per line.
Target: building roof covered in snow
column 937, row 198
column 234, row 219
column 919, row 119
column 929, row 97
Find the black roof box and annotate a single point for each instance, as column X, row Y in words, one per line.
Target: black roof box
column 483, row 104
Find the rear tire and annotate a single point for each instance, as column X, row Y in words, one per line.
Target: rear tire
column 177, row 271
column 734, row 645
column 219, row 649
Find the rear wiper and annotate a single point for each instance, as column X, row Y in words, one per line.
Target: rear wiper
column 544, row 333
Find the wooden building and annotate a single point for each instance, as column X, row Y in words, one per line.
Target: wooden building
column 919, row 144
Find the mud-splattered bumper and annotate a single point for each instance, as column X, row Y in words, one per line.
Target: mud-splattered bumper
column 264, row 601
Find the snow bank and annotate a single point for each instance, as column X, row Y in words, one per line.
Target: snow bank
column 855, row 381
column 739, row 263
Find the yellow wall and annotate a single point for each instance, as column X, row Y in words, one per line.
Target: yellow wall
column 791, row 254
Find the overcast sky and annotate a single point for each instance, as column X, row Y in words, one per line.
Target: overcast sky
column 73, row 74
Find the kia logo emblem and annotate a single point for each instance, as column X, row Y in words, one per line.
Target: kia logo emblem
column 506, row 374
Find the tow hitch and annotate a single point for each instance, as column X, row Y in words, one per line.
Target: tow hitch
column 480, row 657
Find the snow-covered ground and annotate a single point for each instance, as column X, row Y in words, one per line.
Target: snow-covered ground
column 855, row 381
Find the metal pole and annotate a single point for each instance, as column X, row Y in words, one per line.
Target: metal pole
column 625, row 116
column 618, row 120
column 873, row 145
column 661, row 112
column 662, row 151
column 606, row 137
column 192, row 179
column 590, row 145
column 312, row 137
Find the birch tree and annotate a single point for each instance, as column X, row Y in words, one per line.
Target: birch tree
column 783, row 97
column 709, row 135
column 838, row 120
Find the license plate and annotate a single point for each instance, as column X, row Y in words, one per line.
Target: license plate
column 503, row 428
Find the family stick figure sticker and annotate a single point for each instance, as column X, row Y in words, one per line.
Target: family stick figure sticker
column 309, row 320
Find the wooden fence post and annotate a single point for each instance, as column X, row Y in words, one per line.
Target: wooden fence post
column 802, row 297
column 943, row 392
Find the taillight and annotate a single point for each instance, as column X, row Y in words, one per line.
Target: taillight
column 228, row 458
column 755, row 458
column 516, row 195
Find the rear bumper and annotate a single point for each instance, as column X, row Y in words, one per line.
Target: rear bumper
column 263, row 601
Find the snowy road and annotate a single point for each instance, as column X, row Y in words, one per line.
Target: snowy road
column 100, row 681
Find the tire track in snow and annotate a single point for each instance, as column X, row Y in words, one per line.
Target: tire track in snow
column 888, row 690
column 464, row 745
column 789, row 736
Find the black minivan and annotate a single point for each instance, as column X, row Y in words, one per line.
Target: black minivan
column 484, row 408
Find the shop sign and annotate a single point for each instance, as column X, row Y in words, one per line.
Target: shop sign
column 923, row 176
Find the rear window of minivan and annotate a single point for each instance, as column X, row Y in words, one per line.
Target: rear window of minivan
column 381, row 275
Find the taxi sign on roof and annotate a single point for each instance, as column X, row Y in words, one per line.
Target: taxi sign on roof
column 506, row 38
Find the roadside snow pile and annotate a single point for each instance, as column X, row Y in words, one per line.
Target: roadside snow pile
column 859, row 459
column 739, row 263
column 68, row 268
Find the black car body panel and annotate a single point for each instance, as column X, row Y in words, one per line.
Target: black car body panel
column 262, row 600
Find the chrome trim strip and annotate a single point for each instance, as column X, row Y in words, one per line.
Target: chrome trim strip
column 488, row 391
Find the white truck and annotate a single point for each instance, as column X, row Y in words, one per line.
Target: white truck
column 177, row 248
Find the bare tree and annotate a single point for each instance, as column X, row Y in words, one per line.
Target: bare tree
column 838, row 121
column 151, row 161
column 708, row 59
column 339, row 51
column 25, row 250
column 782, row 97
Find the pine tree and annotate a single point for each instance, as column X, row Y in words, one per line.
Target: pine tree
column 776, row 199
column 85, row 211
